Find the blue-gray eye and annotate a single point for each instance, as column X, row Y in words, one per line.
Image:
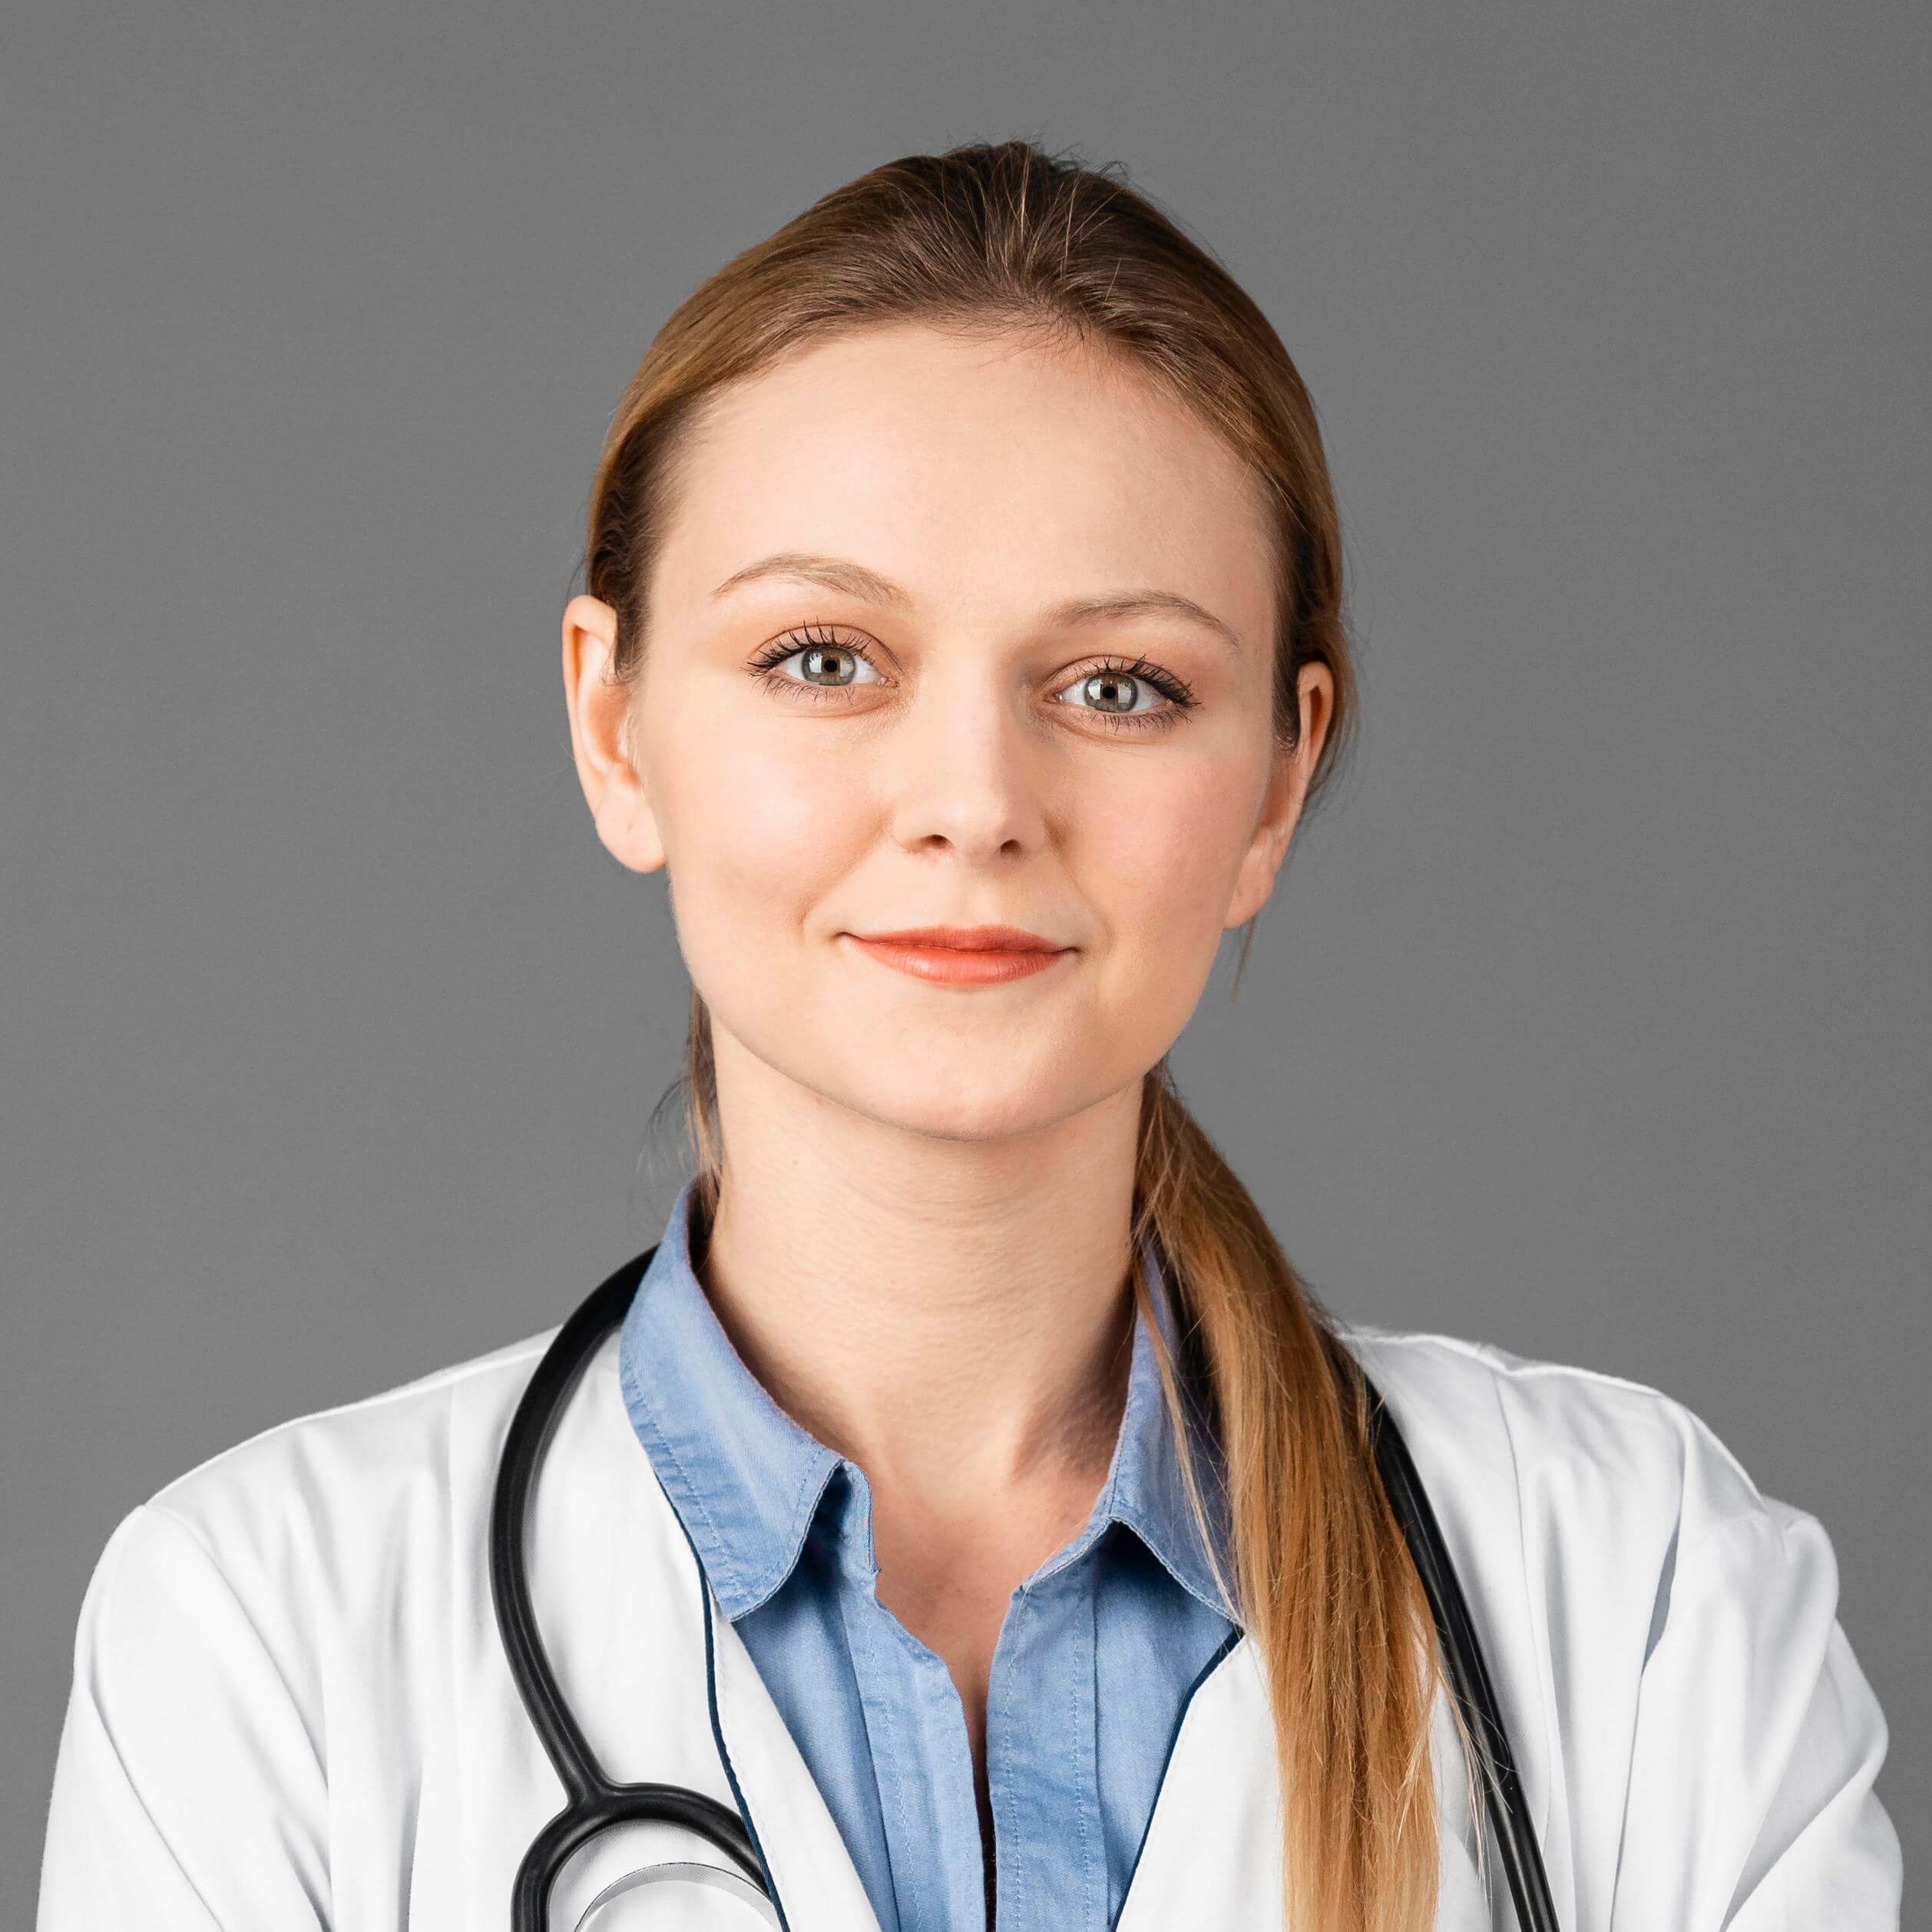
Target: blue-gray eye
column 1113, row 690
column 820, row 647
column 834, row 665
column 1117, row 685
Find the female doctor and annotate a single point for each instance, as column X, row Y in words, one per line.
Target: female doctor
column 971, row 1499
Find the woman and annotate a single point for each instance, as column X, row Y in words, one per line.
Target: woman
column 973, row 1498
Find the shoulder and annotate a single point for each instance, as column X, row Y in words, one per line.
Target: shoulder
column 314, row 1507
column 1596, row 1496
column 1558, row 1425
column 385, row 1436
column 1664, row 1636
column 283, row 1615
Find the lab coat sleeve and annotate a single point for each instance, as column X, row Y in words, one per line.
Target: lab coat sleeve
column 189, row 1793
column 1751, row 1805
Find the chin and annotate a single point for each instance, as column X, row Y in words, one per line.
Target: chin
column 932, row 1099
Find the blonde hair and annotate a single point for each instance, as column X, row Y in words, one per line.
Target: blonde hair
column 1003, row 237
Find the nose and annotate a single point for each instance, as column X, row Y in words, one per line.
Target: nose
column 968, row 768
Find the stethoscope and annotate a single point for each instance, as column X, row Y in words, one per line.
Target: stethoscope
column 594, row 1802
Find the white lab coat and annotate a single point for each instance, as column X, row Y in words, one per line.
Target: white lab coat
column 290, row 1708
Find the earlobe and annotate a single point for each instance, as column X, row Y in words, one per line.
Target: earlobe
column 1269, row 848
column 599, row 708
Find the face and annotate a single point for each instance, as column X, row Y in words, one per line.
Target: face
column 1025, row 682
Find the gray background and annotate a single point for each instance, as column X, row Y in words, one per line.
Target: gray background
column 1591, row 1017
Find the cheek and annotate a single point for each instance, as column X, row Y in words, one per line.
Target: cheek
column 757, row 820
column 1161, row 875
column 1162, row 859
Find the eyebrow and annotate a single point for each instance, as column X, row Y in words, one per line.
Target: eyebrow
column 855, row 580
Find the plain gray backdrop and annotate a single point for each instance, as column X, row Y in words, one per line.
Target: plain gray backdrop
column 1590, row 1018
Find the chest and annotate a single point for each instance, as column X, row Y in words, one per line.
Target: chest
column 1211, row 1858
column 439, row 1782
column 446, row 1784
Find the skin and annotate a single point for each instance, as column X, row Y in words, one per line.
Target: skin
column 921, row 1248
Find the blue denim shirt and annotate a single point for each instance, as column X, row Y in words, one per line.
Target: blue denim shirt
column 1100, row 1648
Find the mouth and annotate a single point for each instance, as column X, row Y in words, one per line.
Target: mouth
column 966, row 939
column 963, row 955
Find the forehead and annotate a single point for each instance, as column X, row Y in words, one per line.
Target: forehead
column 987, row 466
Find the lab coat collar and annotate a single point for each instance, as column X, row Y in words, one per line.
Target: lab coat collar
column 749, row 1482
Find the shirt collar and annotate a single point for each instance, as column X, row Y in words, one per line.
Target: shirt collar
column 748, row 1480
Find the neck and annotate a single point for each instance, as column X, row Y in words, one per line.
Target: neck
column 953, row 1314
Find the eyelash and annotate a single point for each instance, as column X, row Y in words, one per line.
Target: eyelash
column 1177, row 691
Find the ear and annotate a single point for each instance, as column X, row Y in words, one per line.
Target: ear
column 1287, row 787
column 613, row 779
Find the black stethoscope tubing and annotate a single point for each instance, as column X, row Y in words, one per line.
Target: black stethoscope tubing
column 1468, row 1672
column 594, row 1801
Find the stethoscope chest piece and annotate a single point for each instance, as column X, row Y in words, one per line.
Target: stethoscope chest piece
column 694, row 1897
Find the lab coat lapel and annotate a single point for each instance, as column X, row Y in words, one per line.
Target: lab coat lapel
column 621, row 1605
column 1212, row 1856
column 817, row 1885
column 671, row 1639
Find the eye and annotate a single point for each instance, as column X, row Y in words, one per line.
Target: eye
column 833, row 664
column 1116, row 686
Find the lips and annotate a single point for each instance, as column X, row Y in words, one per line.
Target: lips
column 968, row 939
column 963, row 956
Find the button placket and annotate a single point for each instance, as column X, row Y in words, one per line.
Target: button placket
column 1045, row 1660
